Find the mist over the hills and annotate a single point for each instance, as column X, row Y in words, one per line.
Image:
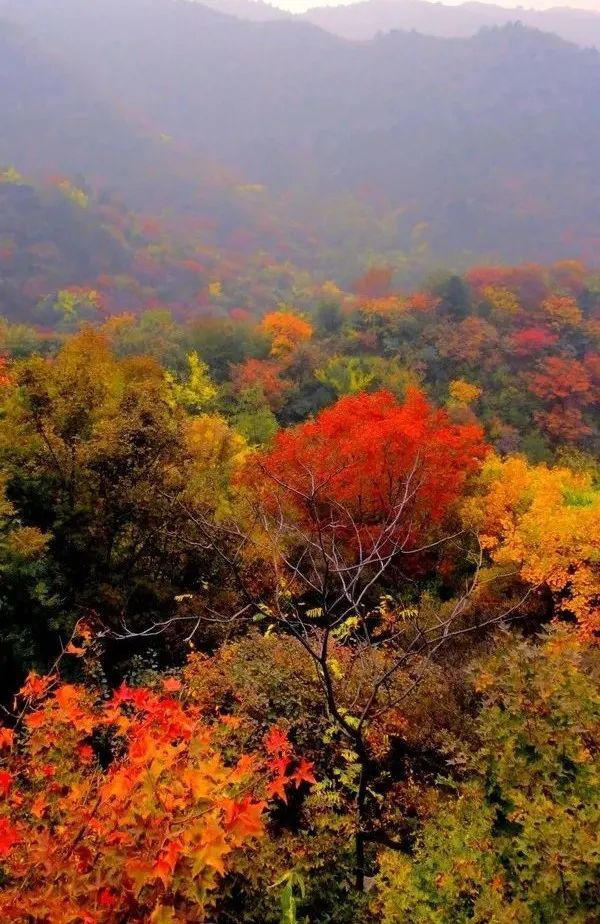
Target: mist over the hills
column 299, row 463
column 364, row 20
column 491, row 141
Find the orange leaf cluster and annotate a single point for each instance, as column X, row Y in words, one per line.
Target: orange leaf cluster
column 286, row 331
column 124, row 809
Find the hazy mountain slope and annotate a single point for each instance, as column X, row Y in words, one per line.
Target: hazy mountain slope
column 492, row 141
column 48, row 242
column 226, row 86
column 361, row 21
column 59, row 115
column 364, row 20
column 53, row 120
column 252, row 10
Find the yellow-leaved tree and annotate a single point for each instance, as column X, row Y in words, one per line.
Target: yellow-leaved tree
column 196, row 392
column 546, row 522
column 464, row 392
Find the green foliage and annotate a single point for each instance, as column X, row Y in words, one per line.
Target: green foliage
column 73, row 305
column 154, row 333
column 328, row 318
column 26, row 578
column 292, row 887
column 253, row 417
column 98, row 456
column 222, row 343
column 346, row 375
column 518, row 840
column 18, row 340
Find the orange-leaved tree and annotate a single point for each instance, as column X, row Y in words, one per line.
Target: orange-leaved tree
column 125, row 809
column 286, row 331
column 339, row 510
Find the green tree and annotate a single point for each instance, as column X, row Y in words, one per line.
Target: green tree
column 346, row 375
column 253, row 417
column 518, row 841
column 329, row 318
column 100, row 458
column 222, row 343
column 26, row 604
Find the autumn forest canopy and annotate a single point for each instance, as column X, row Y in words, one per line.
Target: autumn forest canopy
column 299, row 466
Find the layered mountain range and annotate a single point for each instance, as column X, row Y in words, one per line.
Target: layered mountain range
column 490, row 143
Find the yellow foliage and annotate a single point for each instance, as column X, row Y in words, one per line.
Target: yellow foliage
column 197, row 392
column 27, row 542
column 546, row 522
column 117, row 323
column 213, row 442
column 215, row 289
column 502, row 300
column 77, row 196
column 218, row 452
column 10, row 175
column 384, row 307
column 465, row 392
column 330, row 290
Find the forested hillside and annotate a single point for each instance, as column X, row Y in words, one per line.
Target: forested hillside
column 299, row 473
column 55, row 121
column 60, row 240
column 283, row 596
column 466, row 138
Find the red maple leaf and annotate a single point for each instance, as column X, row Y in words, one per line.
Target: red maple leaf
column 5, row 782
column 9, row 836
column 6, row 737
column 244, row 816
column 277, row 787
column 304, row 772
column 276, row 742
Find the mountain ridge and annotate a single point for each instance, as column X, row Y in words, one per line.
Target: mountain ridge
column 471, row 138
column 362, row 21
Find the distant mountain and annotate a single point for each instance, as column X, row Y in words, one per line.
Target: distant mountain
column 364, row 20
column 56, row 119
column 219, row 84
column 252, row 10
column 60, row 116
column 360, row 21
column 490, row 144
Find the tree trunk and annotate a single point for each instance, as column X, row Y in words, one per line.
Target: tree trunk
column 359, row 849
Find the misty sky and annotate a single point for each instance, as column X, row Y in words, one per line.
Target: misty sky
column 297, row 6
